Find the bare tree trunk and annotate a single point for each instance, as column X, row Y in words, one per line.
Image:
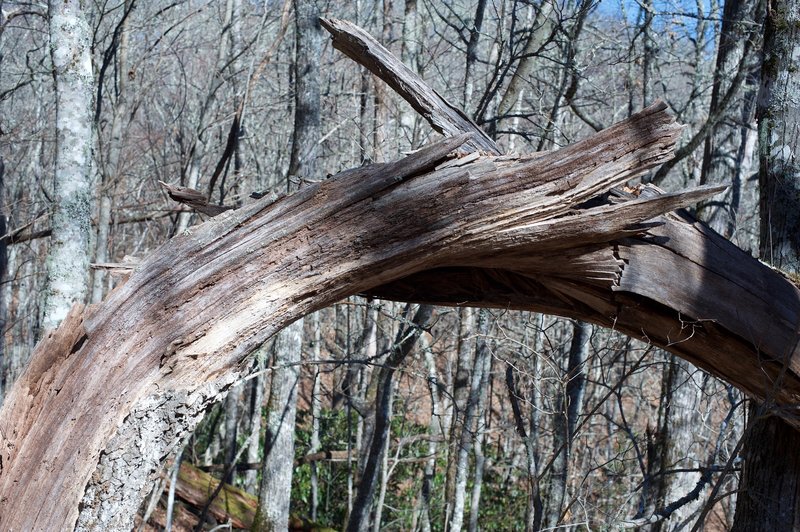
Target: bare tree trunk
column 410, row 122
column 472, row 53
column 721, row 159
column 648, row 50
column 276, row 476
column 276, row 481
column 479, row 439
column 3, row 279
column 406, row 340
column 385, row 470
column 365, row 394
column 230, row 439
column 460, row 394
column 680, row 426
column 534, row 511
column 471, row 415
column 68, row 258
column 111, row 170
column 541, row 28
column 480, row 466
column 570, row 406
column 379, row 109
column 316, row 411
column 769, row 496
column 306, row 133
column 434, row 432
column 257, row 386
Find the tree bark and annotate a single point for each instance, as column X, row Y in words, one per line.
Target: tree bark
column 471, row 416
column 3, row 278
column 769, row 497
column 316, row 412
column 768, row 489
column 435, row 430
column 223, row 294
column 680, row 425
column 459, row 394
column 124, row 382
column 68, row 258
column 472, row 53
column 479, row 435
column 406, row 340
column 570, row 406
column 308, row 47
column 276, row 476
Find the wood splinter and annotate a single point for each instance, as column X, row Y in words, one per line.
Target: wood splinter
column 194, row 199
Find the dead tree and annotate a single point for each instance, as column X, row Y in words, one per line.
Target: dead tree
column 111, row 392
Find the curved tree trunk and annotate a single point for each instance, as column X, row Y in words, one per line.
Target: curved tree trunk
column 123, row 382
column 179, row 332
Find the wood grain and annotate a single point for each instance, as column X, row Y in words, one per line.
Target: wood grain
column 181, row 329
column 110, row 393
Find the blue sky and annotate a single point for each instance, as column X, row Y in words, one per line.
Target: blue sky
column 668, row 7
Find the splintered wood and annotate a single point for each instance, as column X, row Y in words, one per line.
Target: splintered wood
column 107, row 396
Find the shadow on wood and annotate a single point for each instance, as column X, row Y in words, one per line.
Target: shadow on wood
column 109, row 394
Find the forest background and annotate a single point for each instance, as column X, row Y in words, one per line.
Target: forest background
column 497, row 419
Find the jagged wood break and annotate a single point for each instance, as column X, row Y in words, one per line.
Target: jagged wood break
column 111, row 392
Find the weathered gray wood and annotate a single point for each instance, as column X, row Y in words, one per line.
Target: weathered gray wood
column 144, row 365
column 181, row 329
column 193, row 198
column 445, row 118
column 680, row 264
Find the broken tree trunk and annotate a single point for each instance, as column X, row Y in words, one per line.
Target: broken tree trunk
column 109, row 394
column 678, row 283
column 443, row 117
column 146, row 363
